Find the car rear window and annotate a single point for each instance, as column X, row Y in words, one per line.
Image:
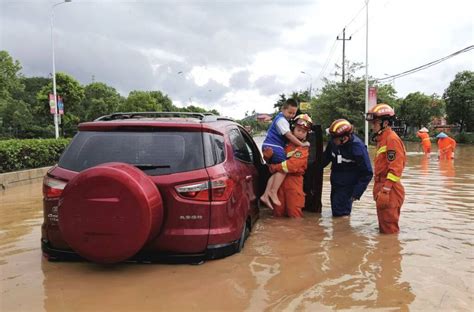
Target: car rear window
column 156, row 153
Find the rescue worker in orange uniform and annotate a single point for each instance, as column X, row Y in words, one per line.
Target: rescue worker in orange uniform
column 389, row 162
column 446, row 146
column 425, row 140
column 290, row 194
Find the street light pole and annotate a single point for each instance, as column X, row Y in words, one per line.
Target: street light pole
column 310, row 83
column 56, row 118
column 366, row 71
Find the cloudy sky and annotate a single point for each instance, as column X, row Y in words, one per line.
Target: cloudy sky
column 237, row 55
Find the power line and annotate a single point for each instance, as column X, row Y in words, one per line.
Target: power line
column 353, row 19
column 331, row 52
column 427, row 65
column 370, row 18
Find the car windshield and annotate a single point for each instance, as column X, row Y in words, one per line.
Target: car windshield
column 156, row 153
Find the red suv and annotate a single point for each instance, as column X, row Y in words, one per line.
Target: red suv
column 153, row 187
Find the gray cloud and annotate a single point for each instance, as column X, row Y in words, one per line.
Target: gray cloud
column 144, row 44
column 240, row 80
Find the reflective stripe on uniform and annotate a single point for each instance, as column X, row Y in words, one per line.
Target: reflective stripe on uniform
column 347, row 160
column 289, row 154
column 284, row 166
column 392, row 177
column 381, row 150
column 426, row 139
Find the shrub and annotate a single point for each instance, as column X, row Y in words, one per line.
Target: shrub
column 31, row 153
column 464, row 137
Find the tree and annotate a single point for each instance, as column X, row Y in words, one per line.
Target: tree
column 347, row 100
column 164, row 101
column 9, row 75
column 100, row 99
column 280, row 102
column 72, row 94
column 387, row 94
column 459, row 98
column 140, row 101
column 418, row 109
column 340, row 100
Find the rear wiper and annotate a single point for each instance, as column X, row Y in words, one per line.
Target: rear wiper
column 150, row 166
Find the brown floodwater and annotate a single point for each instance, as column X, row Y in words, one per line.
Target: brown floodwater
column 317, row 263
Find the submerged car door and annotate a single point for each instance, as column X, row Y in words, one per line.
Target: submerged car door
column 244, row 171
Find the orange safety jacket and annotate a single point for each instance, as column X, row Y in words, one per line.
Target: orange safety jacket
column 389, row 163
column 291, row 193
column 390, row 158
column 425, row 141
column 296, row 162
column 446, row 147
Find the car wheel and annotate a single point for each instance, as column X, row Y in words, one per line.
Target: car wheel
column 109, row 212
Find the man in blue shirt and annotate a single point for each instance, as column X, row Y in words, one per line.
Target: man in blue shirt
column 351, row 170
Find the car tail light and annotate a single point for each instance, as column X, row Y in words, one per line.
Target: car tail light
column 222, row 188
column 216, row 189
column 52, row 188
column 196, row 191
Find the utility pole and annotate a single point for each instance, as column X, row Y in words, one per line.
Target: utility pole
column 343, row 50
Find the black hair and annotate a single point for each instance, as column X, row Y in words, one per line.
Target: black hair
column 290, row 102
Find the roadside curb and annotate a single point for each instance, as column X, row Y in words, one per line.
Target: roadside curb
column 17, row 178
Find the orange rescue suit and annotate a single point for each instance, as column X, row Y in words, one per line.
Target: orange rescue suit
column 446, row 147
column 291, row 193
column 389, row 194
column 425, row 141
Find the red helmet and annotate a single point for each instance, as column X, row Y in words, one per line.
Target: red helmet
column 340, row 127
column 380, row 111
column 303, row 120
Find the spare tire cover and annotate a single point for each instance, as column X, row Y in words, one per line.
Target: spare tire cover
column 107, row 213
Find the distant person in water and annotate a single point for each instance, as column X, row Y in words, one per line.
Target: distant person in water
column 446, row 146
column 425, row 140
column 278, row 136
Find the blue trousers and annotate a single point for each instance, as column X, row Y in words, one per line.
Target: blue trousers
column 341, row 204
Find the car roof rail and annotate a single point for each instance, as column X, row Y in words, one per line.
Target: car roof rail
column 204, row 117
column 132, row 115
column 213, row 118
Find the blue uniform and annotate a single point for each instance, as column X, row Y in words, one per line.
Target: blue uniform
column 351, row 172
column 275, row 141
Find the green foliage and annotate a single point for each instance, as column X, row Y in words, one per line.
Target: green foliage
column 254, row 124
column 9, row 75
column 347, row 100
column 465, row 137
column 418, row 109
column 100, row 99
column 140, row 101
column 280, row 102
column 340, row 100
column 459, row 97
column 26, row 154
column 299, row 96
column 70, row 90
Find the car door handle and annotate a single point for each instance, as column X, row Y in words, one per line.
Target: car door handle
column 248, row 178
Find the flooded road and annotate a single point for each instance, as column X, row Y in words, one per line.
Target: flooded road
column 318, row 263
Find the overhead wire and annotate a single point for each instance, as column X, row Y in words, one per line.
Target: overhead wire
column 331, row 51
column 427, row 65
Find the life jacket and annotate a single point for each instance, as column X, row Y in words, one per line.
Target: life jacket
column 274, row 138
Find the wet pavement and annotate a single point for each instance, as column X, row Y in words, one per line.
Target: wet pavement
column 317, row 263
